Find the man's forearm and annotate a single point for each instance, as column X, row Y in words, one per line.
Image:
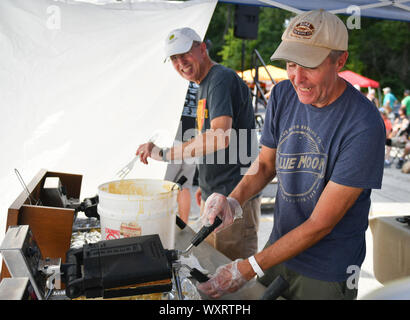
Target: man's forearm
column 285, row 248
column 208, row 142
column 331, row 207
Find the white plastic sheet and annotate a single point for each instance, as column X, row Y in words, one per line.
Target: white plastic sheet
column 82, row 85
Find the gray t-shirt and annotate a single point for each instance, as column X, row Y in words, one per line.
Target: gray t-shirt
column 223, row 93
column 342, row 142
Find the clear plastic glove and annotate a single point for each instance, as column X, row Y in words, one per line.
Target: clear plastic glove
column 227, row 208
column 227, row 279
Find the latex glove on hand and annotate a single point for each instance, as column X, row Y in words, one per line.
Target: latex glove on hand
column 227, row 208
column 227, row 279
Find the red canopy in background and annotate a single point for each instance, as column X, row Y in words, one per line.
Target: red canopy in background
column 355, row 78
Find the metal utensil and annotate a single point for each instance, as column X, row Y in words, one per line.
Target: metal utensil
column 23, row 184
column 130, row 165
column 127, row 168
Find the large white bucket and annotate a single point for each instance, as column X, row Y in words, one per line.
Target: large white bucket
column 135, row 207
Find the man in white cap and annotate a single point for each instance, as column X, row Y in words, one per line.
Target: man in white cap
column 226, row 145
column 324, row 141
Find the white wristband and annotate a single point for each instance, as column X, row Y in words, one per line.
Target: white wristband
column 255, row 267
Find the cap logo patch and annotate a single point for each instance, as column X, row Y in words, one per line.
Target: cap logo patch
column 172, row 38
column 303, row 29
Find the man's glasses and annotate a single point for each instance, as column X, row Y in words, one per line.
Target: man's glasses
column 175, row 57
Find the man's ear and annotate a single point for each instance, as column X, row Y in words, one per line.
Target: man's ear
column 203, row 48
column 341, row 61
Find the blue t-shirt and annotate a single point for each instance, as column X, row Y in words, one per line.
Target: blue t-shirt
column 342, row 142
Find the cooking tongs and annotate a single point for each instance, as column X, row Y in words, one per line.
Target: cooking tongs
column 202, row 234
column 196, row 240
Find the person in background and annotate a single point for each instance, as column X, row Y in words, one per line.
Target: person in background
column 226, row 143
column 372, row 97
column 400, row 124
column 405, row 167
column 176, row 170
column 389, row 103
column 325, row 142
column 405, row 103
column 389, row 127
column 399, row 135
column 404, row 164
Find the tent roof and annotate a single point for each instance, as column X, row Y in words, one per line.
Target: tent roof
column 383, row 9
column 355, row 78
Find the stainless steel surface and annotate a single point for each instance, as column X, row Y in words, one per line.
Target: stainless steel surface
column 51, row 268
column 210, row 259
column 53, row 195
column 177, row 280
column 22, row 255
column 14, row 288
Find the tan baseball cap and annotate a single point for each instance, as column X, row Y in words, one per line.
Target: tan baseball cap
column 180, row 41
column 310, row 37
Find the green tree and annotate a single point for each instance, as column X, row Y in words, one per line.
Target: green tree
column 379, row 49
column 221, row 21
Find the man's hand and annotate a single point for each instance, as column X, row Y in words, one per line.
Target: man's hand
column 198, row 196
column 227, row 208
column 146, row 150
column 227, row 279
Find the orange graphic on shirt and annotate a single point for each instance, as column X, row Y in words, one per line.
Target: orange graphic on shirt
column 201, row 114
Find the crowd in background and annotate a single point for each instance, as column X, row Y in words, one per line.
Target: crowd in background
column 396, row 115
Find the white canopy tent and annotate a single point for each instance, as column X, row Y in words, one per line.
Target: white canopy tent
column 383, row 9
column 82, row 85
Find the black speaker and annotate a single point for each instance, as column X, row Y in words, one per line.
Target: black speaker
column 246, row 22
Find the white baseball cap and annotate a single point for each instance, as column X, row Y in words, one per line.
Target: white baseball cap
column 180, row 41
column 310, row 37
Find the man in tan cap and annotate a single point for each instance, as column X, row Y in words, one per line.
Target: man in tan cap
column 324, row 141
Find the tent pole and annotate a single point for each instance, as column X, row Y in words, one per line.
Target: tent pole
column 379, row 4
column 282, row 6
